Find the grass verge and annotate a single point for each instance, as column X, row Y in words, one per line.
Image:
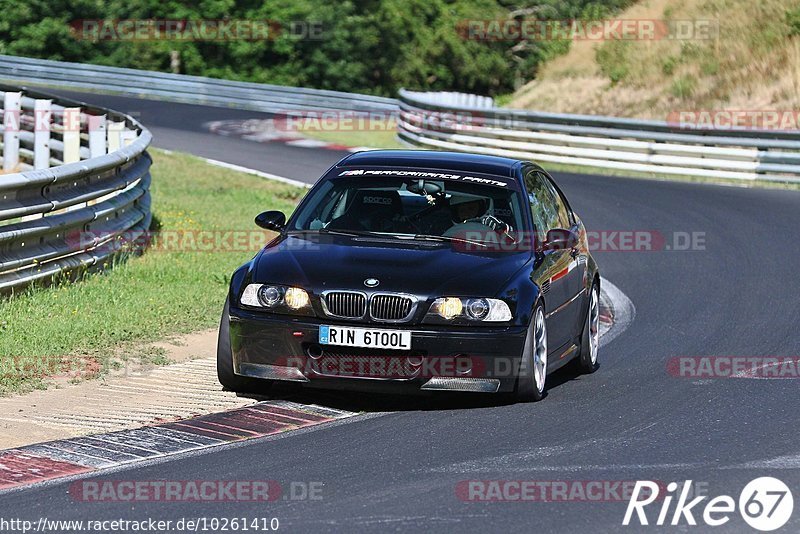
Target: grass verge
column 77, row 328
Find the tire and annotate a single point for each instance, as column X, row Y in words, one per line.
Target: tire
column 532, row 376
column 230, row 380
column 586, row 362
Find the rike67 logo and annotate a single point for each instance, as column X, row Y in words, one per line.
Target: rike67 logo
column 765, row 504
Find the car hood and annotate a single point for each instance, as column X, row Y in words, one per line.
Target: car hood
column 423, row 268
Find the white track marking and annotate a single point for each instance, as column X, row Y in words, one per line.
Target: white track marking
column 623, row 309
column 260, row 174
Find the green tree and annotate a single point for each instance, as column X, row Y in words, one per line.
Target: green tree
column 368, row 46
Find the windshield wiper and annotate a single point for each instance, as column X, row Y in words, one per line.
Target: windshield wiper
column 448, row 239
column 402, row 237
column 350, row 233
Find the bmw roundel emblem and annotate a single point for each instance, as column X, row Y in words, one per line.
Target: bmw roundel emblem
column 371, row 282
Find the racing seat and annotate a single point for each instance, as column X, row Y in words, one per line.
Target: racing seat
column 372, row 210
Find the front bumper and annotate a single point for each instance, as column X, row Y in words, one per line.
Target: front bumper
column 282, row 347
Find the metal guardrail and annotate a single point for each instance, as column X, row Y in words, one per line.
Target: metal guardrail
column 461, row 122
column 183, row 88
column 71, row 170
column 450, row 100
column 432, row 121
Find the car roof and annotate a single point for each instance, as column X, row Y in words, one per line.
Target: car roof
column 429, row 159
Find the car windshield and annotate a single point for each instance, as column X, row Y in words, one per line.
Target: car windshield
column 421, row 208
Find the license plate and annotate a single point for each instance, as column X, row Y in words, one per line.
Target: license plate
column 364, row 337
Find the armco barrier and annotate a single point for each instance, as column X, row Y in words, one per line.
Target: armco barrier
column 183, row 88
column 461, row 122
column 70, row 170
column 435, row 122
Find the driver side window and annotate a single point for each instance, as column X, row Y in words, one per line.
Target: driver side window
column 543, row 204
column 564, row 219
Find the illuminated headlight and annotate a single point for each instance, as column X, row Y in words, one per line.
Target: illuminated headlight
column 277, row 298
column 449, row 307
column 296, row 298
column 472, row 309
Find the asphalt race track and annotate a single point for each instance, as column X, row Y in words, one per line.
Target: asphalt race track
column 180, row 127
column 632, row 420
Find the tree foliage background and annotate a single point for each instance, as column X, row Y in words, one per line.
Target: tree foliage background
column 367, row 46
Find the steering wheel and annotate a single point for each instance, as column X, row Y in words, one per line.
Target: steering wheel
column 493, row 223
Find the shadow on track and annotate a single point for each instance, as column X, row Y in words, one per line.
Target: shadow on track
column 361, row 401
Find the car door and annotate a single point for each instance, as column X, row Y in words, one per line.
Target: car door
column 552, row 265
column 576, row 268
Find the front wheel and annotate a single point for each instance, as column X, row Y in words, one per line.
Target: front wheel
column 230, row 380
column 532, row 377
column 586, row 363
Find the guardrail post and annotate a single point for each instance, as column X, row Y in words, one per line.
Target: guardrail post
column 109, row 195
column 72, row 135
column 115, row 130
column 97, row 135
column 127, row 137
column 12, row 106
column 42, row 116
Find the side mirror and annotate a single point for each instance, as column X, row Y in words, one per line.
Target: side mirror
column 271, row 220
column 560, row 239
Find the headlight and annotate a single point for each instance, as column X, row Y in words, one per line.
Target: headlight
column 478, row 309
column 296, row 298
column 449, row 308
column 280, row 299
column 269, row 296
column 471, row 309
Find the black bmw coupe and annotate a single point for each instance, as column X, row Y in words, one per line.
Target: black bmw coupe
column 415, row 271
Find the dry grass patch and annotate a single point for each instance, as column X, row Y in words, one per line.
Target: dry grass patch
column 754, row 64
